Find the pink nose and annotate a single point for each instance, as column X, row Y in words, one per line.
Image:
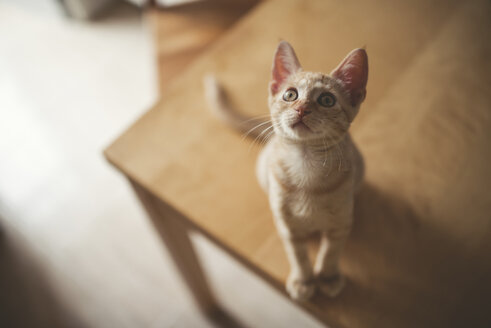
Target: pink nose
column 302, row 111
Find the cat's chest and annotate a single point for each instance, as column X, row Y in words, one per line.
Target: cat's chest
column 310, row 170
column 300, row 173
column 311, row 188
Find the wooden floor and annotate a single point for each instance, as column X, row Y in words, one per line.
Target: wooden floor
column 76, row 248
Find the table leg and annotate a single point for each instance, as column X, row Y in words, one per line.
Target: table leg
column 175, row 235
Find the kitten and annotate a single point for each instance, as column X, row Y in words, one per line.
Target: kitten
column 310, row 167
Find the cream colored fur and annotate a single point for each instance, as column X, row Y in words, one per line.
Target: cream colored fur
column 310, row 172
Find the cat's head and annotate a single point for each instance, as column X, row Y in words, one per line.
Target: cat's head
column 307, row 105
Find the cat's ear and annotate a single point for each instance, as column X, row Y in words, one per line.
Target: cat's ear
column 285, row 63
column 353, row 73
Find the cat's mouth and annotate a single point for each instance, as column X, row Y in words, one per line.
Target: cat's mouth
column 300, row 125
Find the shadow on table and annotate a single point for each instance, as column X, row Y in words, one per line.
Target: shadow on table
column 403, row 270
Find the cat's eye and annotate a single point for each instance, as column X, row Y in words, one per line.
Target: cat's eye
column 290, row 95
column 326, row 99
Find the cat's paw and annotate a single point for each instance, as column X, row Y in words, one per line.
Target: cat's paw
column 331, row 285
column 300, row 290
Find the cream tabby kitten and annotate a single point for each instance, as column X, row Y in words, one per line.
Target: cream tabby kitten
column 310, row 168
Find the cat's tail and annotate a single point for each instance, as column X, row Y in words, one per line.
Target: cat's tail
column 220, row 105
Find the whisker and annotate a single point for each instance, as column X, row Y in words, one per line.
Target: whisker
column 260, row 117
column 339, row 154
column 259, row 136
column 330, row 157
column 254, row 128
column 339, row 151
column 267, row 138
column 325, row 152
column 341, row 163
column 263, row 134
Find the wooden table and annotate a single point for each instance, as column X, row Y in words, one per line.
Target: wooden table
column 181, row 33
column 419, row 254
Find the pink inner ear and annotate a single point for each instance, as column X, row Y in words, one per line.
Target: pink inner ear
column 353, row 73
column 285, row 63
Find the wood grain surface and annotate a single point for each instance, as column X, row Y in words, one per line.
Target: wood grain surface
column 419, row 254
column 183, row 32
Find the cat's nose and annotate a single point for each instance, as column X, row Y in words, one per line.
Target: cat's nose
column 302, row 111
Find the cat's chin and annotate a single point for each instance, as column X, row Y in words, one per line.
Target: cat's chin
column 301, row 128
column 310, row 136
column 299, row 135
column 298, row 131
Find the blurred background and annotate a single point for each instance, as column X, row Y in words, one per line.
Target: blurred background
column 76, row 249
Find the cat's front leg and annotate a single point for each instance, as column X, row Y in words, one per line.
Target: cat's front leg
column 300, row 283
column 326, row 267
